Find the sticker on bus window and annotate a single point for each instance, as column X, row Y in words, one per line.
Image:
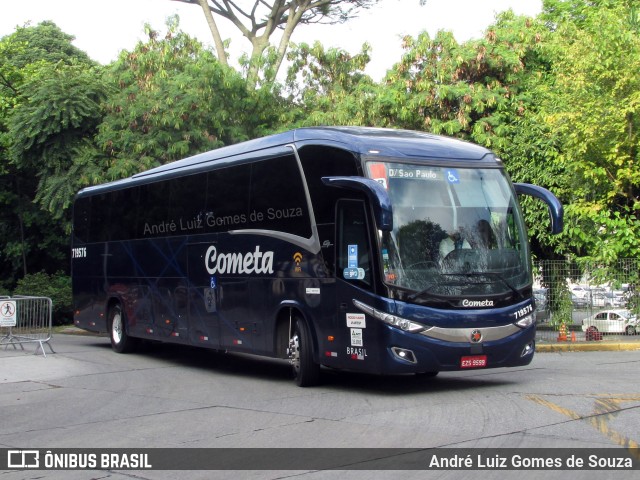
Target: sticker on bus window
column 353, row 273
column 452, row 176
column 379, row 173
column 352, row 256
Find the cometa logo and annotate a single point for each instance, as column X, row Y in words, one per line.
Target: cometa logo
column 228, row 263
column 477, row 303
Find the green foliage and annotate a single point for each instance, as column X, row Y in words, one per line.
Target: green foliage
column 594, row 107
column 44, row 83
column 10, row 76
column 174, row 99
column 59, row 107
column 471, row 90
column 58, row 114
column 316, row 72
column 29, row 49
column 45, row 43
column 329, row 87
column 558, row 294
column 57, row 287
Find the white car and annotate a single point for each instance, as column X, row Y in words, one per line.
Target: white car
column 611, row 321
column 581, row 292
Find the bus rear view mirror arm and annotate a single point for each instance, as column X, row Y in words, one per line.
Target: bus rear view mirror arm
column 374, row 191
column 556, row 212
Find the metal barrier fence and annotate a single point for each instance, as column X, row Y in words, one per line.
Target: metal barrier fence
column 26, row 320
column 582, row 301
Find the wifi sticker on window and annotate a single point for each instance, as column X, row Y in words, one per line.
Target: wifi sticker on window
column 297, row 258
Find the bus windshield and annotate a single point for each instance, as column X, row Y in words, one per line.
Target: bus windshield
column 456, row 231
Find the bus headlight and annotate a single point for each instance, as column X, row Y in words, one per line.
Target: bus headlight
column 526, row 321
column 389, row 319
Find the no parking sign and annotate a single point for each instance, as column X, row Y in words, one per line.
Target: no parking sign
column 8, row 313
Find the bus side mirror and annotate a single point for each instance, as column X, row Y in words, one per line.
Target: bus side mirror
column 375, row 192
column 556, row 212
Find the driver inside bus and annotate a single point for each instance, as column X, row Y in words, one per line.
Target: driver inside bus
column 454, row 241
column 482, row 237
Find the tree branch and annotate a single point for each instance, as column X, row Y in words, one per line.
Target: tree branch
column 217, row 39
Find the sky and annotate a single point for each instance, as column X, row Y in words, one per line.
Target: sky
column 103, row 29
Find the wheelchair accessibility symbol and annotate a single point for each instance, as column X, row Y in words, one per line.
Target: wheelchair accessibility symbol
column 452, row 176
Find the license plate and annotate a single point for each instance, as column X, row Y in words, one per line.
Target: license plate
column 474, row 361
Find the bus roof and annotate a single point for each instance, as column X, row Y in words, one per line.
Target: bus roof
column 383, row 142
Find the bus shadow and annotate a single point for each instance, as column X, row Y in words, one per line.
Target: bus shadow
column 402, row 385
column 278, row 370
column 215, row 361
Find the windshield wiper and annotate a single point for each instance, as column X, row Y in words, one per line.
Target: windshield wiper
column 497, row 276
column 426, row 290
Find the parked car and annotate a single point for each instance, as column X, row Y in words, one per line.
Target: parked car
column 581, row 291
column 542, row 306
column 607, row 299
column 540, row 295
column 579, row 302
column 611, row 321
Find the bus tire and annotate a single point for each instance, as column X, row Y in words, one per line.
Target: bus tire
column 121, row 342
column 306, row 371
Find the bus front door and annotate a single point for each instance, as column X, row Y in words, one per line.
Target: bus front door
column 354, row 282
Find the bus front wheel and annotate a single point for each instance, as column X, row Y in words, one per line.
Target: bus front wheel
column 305, row 371
column 121, row 342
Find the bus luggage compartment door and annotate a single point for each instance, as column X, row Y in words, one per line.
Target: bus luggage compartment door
column 204, row 301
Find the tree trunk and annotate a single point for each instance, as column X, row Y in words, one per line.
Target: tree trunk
column 217, row 39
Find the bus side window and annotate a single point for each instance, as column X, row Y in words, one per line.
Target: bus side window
column 354, row 253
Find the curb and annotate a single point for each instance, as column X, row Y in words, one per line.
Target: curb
column 78, row 331
column 588, row 347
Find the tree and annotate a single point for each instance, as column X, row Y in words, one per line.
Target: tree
column 32, row 240
column 467, row 90
column 329, row 87
column 58, row 117
column 594, row 108
column 172, row 99
column 46, row 43
column 258, row 20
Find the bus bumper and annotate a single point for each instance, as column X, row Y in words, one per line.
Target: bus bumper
column 417, row 353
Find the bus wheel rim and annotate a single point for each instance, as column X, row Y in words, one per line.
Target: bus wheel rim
column 294, row 355
column 116, row 329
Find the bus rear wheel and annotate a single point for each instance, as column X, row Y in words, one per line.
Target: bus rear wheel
column 121, row 342
column 305, row 371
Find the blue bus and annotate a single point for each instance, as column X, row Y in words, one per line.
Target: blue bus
column 371, row 250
